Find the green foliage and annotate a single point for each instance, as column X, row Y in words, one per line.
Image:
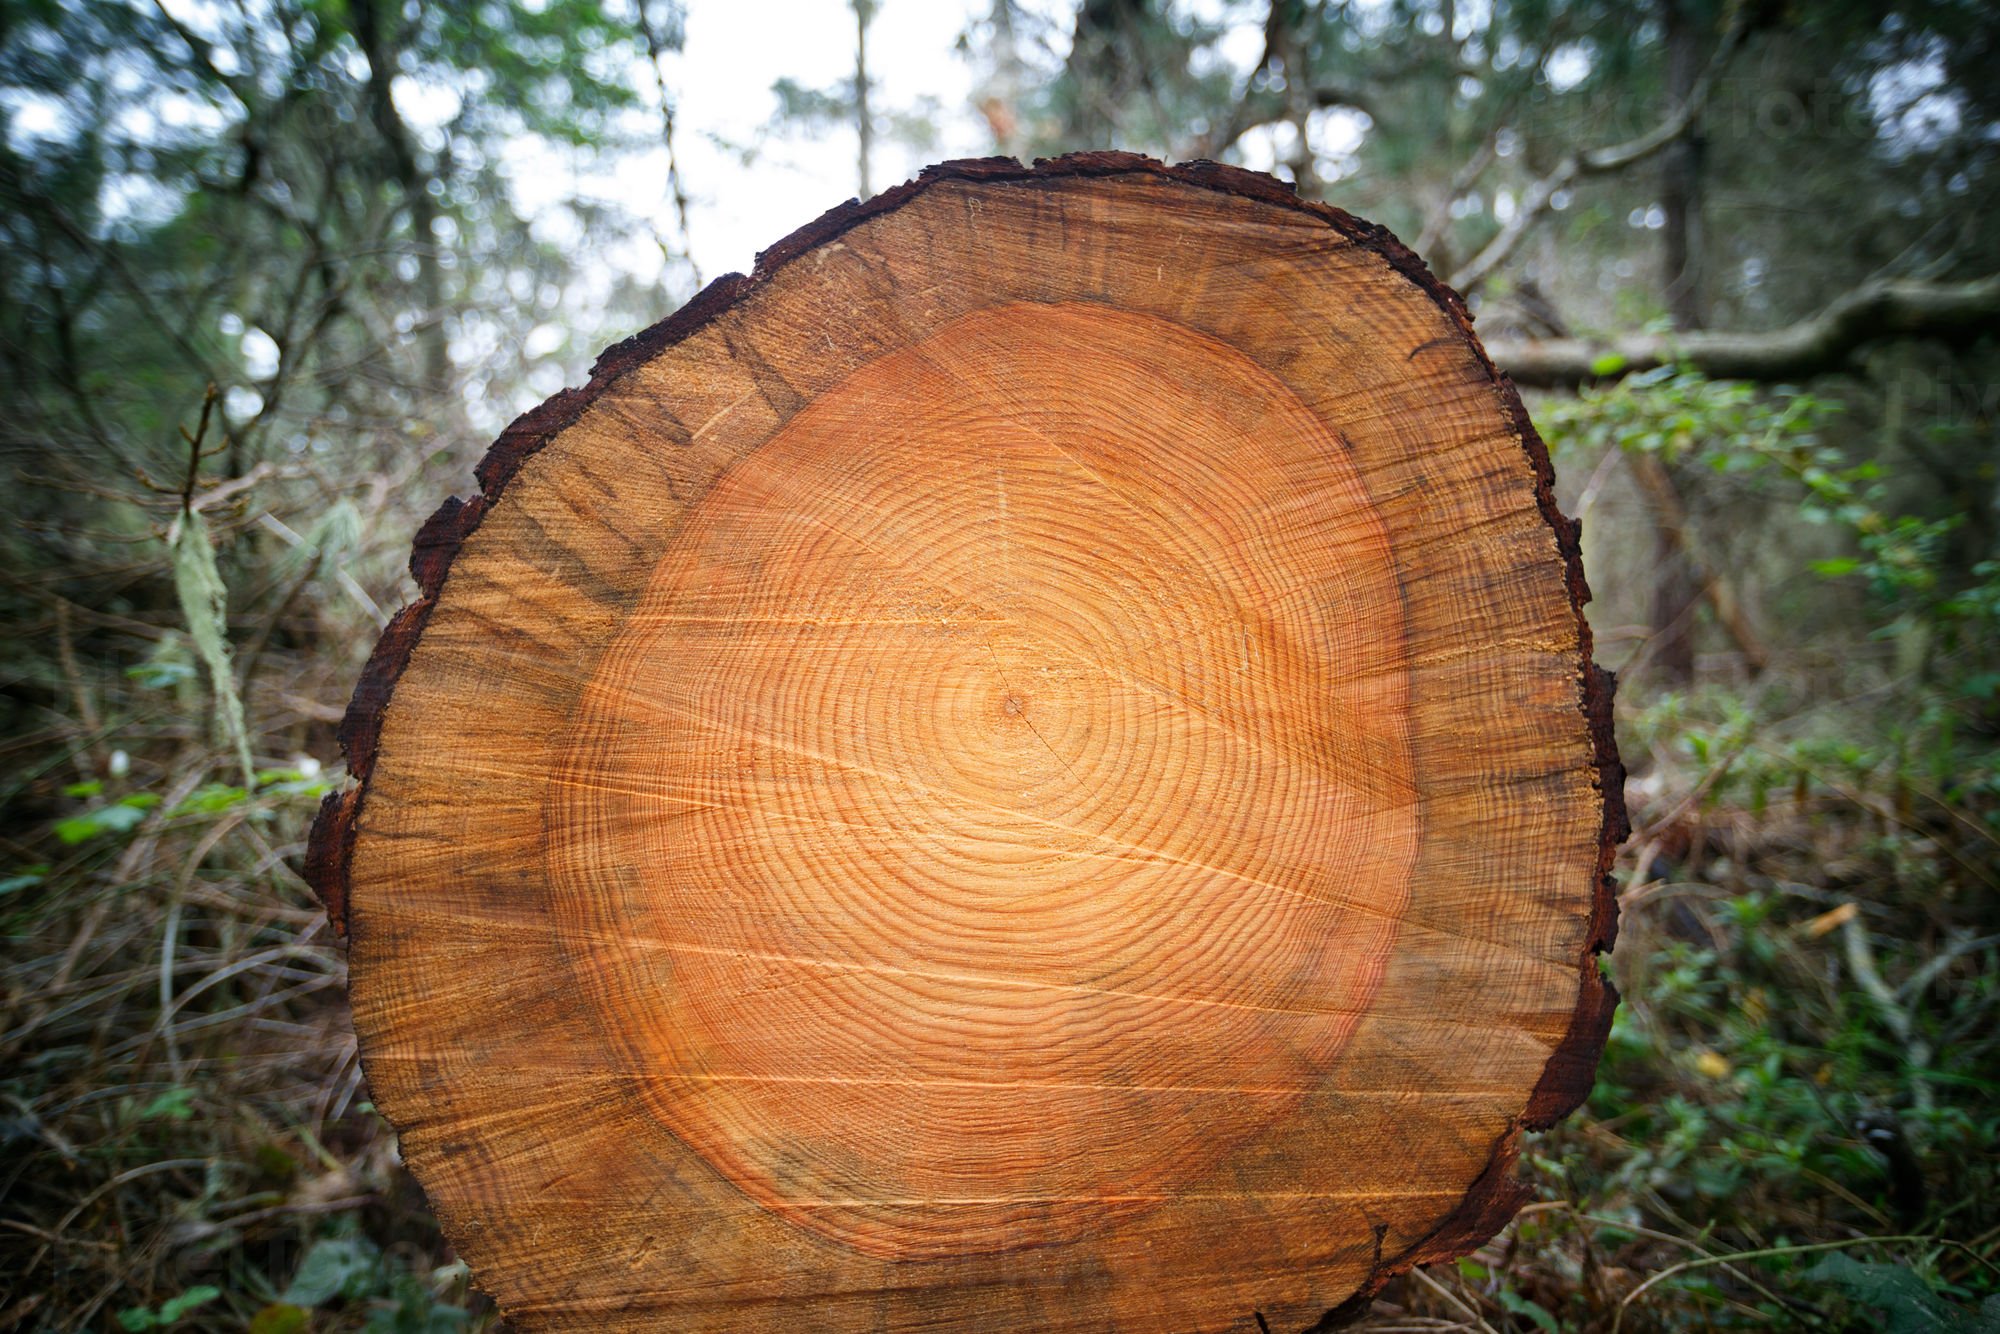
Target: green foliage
column 1680, row 414
column 1744, row 430
column 124, row 815
column 1908, row 1302
column 168, row 1313
column 118, row 817
column 412, row 1308
column 350, row 1270
column 1789, row 1052
column 335, row 1267
column 175, row 1104
column 1513, row 1303
column 1944, row 623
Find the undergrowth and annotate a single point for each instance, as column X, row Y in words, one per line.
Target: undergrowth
column 1795, row 1122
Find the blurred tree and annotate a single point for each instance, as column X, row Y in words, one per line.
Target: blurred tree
column 852, row 104
column 302, row 203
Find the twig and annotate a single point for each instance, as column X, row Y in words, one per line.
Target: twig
column 86, row 709
column 1860, row 954
column 1708, row 780
column 1670, row 515
column 270, row 523
column 194, row 448
column 1471, row 1312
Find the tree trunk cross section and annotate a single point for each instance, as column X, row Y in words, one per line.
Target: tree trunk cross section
column 1033, row 763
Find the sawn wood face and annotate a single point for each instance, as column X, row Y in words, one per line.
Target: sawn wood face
column 1032, row 764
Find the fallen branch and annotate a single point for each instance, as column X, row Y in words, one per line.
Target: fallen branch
column 1877, row 310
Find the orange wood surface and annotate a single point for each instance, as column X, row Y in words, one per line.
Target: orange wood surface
column 1032, row 764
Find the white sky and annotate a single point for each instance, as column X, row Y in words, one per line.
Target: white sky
column 736, row 50
column 749, row 185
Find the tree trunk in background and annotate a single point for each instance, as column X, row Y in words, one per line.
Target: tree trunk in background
column 653, row 33
column 375, row 29
column 956, row 786
column 864, row 119
column 1681, row 175
column 1285, row 44
column 1101, row 71
column 1675, row 593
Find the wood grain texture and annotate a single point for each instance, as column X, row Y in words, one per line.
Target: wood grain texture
column 1033, row 763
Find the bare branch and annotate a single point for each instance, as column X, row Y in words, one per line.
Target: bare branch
column 1440, row 216
column 1597, row 162
column 1260, row 106
column 194, row 440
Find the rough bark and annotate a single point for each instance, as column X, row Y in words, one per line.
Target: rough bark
column 1032, row 763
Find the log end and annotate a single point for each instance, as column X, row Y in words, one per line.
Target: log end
column 619, row 788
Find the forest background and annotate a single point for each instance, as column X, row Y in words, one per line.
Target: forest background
column 272, row 273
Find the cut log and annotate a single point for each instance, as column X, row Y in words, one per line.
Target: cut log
column 1032, row 764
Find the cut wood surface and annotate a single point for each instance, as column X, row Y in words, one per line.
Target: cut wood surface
column 1031, row 764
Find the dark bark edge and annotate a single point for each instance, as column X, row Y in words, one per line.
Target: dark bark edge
column 1494, row 1197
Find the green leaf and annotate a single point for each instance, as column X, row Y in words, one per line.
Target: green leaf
column 120, row 817
column 187, row 1301
column 93, row 788
column 176, row 1104
column 293, row 783
column 210, row 799
column 25, row 878
column 1839, row 565
column 1515, row 1304
column 161, row 673
column 137, row 1318
column 1980, row 685
column 1906, row 1300
column 1608, row 364
column 416, row 1311
column 334, row 1267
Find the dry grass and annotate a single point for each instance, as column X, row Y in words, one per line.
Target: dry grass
column 182, row 1104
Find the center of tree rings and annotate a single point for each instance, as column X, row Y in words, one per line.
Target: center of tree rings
column 1191, row 848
